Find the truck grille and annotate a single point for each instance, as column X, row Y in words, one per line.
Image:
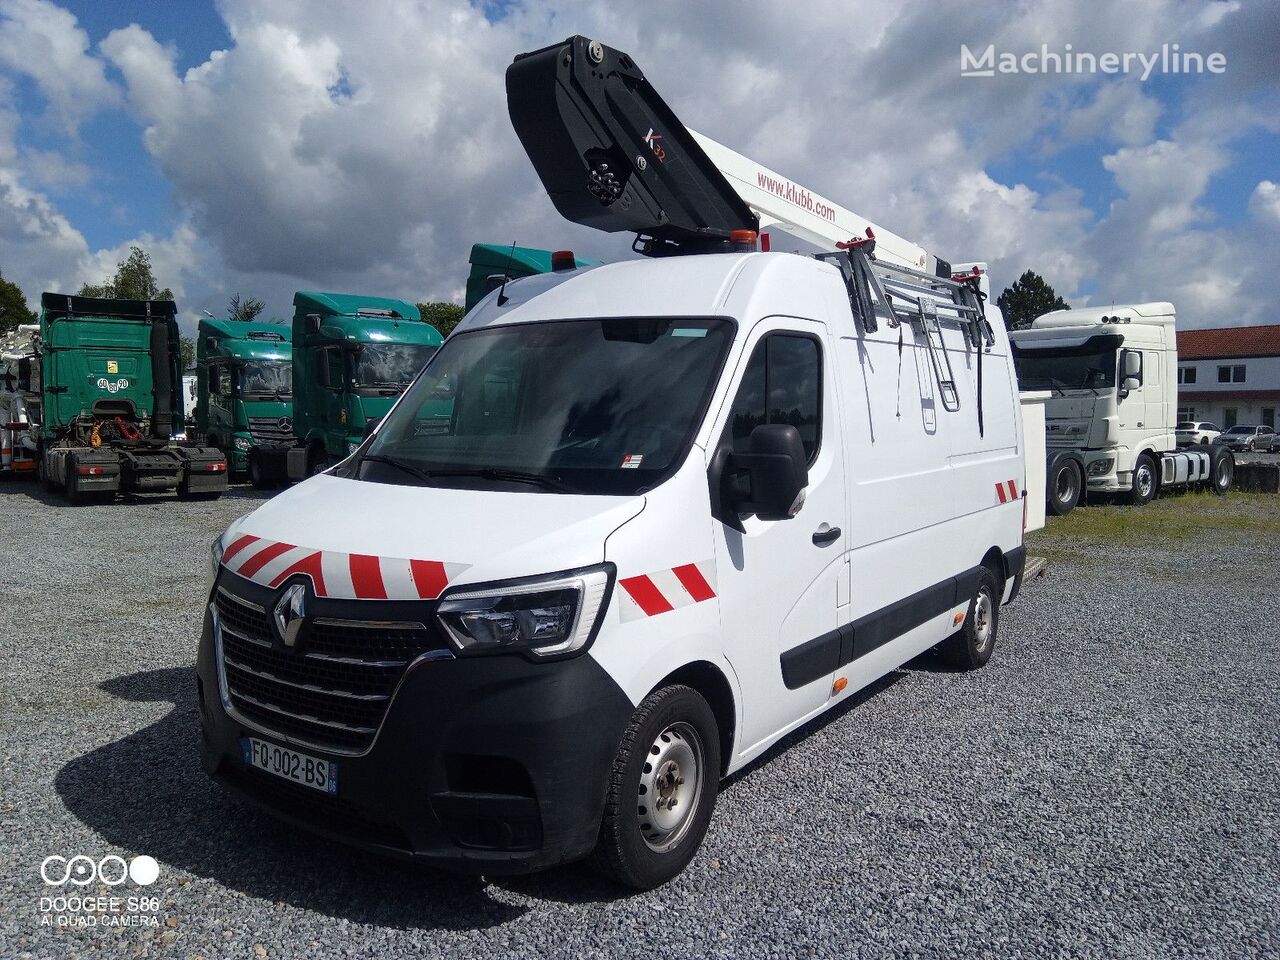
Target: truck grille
column 271, row 429
column 333, row 690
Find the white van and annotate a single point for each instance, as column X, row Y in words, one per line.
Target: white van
column 631, row 525
column 624, row 533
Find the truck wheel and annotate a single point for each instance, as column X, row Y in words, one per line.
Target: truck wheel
column 971, row 646
column 1223, row 471
column 317, row 461
column 1144, row 480
column 256, row 475
column 1064, row 493
column 661, row 791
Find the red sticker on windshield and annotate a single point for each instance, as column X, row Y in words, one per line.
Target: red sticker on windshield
column 632, row 461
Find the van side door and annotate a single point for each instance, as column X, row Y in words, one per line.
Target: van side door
column 780, row 580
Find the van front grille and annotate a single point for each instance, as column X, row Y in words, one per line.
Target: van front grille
column 332, row 689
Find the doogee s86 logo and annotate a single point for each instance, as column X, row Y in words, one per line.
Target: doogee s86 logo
column 57, row 871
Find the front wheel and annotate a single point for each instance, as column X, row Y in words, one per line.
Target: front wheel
column 662, row 789
column 1144, row 480
column 1224, row 472
column 257, row 476
column 1065, row 490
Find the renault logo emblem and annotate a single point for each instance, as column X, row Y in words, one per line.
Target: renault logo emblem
column 289, row 612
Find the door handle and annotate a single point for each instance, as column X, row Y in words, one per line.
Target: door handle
column 825, row 534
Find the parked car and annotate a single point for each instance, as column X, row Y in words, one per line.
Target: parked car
column 1195, row 431
column 1248, row 438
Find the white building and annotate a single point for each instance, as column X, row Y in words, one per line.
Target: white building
column 1229, row 375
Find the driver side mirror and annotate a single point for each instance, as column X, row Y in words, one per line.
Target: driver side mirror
column 776, row 471
column 1129, row 383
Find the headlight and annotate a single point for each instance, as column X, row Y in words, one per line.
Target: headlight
column 242, row 443
column 1099, row 468
column 548, row 617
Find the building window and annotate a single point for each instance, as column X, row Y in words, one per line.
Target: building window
column 1231, row 374
column 1229, row 415
column 1269, row 417
column 1186, row 374
column 1186, row 413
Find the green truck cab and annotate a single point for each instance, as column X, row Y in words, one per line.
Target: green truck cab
column 491, row 262
column 353, row 358
column 244, row 390
column 105, row 401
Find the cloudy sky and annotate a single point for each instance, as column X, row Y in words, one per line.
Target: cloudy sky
column 266, row 146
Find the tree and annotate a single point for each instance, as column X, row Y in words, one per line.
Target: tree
column 13, row 307
column 134, row 280
column 245, row 309
column 441, row 315
column 1028, row 298
column 186, row 353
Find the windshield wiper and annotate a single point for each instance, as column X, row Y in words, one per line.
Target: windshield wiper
column 515, row 476
column 408, row 468
column 487, row 473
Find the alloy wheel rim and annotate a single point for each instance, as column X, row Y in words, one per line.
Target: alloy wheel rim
column 1144, row 480
column 670, row 789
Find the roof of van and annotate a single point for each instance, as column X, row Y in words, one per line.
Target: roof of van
column 1156, row 312
column 350, row 304
column 704, row 285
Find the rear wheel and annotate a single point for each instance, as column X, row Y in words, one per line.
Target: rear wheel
column 1144, row 480
column 971, row 646
column 662, row 789
column 1065, row 490
column 1223, row 468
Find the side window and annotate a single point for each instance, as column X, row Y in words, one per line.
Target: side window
column 782, row 384
column 335, row 360
column 217, row 380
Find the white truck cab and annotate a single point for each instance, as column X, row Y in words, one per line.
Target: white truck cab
column 1113, row 377
column 631, row 525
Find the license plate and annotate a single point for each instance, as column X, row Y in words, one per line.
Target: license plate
column 291, row 765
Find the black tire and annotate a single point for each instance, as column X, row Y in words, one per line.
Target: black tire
column 672, row 724
column 971, row 646
column 256, row 477
column 317, row 461
column 1222, row 471
column 1145, row 480
column 1204, row 441
column 1064, row 487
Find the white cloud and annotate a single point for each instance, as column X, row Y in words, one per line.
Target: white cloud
column 45, row 42
column 1265, row 201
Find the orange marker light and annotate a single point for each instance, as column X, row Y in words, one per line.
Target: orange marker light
column 957, row 619
column 839, row 685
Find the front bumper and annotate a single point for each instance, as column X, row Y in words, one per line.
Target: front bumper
column 484, row 764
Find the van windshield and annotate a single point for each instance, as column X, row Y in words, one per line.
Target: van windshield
column 1089, row 365
column 581, row 406
column 266, row 378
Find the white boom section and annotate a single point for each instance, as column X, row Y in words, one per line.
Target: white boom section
column 807, row 215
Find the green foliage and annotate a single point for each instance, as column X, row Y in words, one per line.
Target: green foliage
column 186, row 353
column 441, row 315
column 134, row 280
column 1028, row 298
column 246, row 309
column 13, row 307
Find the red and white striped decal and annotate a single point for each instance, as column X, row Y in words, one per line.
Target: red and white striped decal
column 1007, row 491
column 650, row 594
column 343, row 576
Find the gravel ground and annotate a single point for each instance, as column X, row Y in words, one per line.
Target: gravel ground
column 1109, row 786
